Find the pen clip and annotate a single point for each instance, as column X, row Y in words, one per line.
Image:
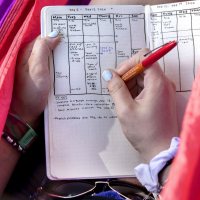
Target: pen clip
column 156, row 49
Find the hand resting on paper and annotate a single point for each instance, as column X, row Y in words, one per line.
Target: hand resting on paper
column 145, row 106
column 31, row 88
column 32, row 79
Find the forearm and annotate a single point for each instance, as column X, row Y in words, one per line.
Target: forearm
column 16, row 138
column 8, row 159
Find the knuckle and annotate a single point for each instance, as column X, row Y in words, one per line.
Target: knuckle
column 167, row 85
column 45, row 43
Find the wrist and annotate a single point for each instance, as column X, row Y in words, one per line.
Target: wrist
column 27, row 117
column 150, row 174
column 14, row 127
column 18, row 133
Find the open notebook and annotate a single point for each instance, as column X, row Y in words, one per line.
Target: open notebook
column 82, row 133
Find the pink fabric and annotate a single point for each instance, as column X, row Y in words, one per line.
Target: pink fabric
column 184, row 178
column 21, row 26
column 5, row 7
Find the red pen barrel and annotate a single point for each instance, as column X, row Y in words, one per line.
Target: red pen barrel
column 152, row 58
column 148, row 61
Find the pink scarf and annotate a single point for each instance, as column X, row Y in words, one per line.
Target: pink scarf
column 21, row 26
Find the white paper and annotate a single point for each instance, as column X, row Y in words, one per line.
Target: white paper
column 84, row 138
column 180, row 22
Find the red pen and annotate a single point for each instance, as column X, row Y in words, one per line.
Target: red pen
column 147, row 62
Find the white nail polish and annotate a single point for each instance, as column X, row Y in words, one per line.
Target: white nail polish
column 107, row 75
column 53, row 34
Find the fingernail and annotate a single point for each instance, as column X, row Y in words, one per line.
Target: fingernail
column 53, row 34
column 107, row 75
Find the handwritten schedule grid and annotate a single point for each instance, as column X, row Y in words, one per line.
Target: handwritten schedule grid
column 182, row 62
column 92, row 43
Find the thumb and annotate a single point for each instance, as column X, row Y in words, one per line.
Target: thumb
column 118, row 90
column 43, row 47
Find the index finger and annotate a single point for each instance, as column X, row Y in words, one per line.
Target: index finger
column 131, row 62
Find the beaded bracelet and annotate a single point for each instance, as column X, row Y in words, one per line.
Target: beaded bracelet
column 18, row 133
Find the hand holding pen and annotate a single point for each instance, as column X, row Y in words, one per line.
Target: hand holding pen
column 149, row 118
